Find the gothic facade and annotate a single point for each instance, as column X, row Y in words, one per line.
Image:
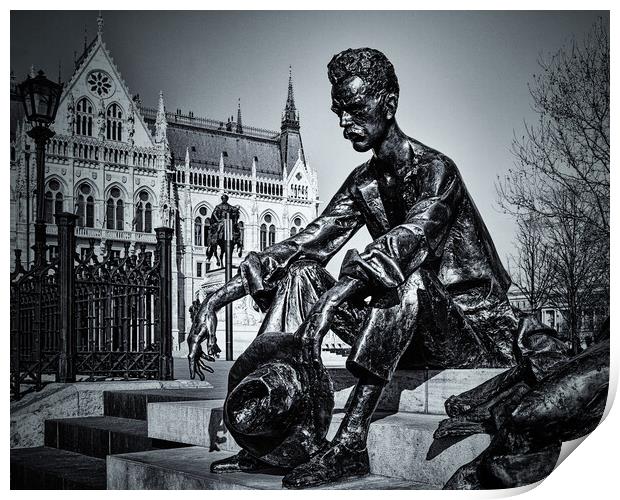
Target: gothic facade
column 125, row 169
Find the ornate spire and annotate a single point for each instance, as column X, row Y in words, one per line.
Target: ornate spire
column 100, row 25
column 33, row 73
column 186, row 158
column 290, row 117
column 290, row 99
column 239, row 128
column 161, row 124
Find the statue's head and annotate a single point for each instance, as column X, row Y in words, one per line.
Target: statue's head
column 364, row 95
column 224, row 198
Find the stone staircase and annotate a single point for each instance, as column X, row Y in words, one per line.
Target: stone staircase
column 403, row 454
column 75, row 449
column 167, row 439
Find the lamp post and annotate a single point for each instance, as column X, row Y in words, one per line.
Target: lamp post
column 28, row 214
column 227, row 277
column 40, row 97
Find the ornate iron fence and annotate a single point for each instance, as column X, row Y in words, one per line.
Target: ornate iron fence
column 34, row 324
column 116, row 303
column 108, row 318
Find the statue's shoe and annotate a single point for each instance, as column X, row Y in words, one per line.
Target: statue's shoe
column 241, row 462
column 331, row 464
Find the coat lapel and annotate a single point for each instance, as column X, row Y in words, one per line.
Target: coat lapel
column 372, row 197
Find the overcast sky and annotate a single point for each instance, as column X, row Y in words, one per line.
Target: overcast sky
column 463, row 75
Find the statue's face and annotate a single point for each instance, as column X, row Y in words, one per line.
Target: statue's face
column 362, row 115
column 225, row 199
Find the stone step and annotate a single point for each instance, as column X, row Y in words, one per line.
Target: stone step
column 80, row 399
column 417, row 391
column 398, row 443
column 188, row 468
column 402, row 445
column 43, row 468
column 132, row 404
column 101, row 436
column 202, row 424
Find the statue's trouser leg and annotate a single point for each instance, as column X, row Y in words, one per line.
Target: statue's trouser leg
column 388, row 329
column 422, row 324
column 353, row 430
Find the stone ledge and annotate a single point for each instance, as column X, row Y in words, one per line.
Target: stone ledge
column 188, row 468
column 198, row 423
column 416, row 391
column 80, row 399
column 398, row 443
column 402, row 445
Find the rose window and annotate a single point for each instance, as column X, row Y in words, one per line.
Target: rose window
column 100, row 84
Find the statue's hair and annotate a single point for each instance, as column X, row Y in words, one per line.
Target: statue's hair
column 370, row 65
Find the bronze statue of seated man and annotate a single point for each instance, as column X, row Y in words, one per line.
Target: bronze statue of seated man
column 429, row 291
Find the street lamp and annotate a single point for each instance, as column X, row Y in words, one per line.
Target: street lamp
column 40, row 97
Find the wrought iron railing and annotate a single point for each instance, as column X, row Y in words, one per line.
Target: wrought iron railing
column 117, row 324
column 82, row 316
column 34, row 324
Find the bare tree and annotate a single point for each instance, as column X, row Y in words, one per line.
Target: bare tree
column 561, row 180
column 568, row 147
column 579, row 264
column 531, row 268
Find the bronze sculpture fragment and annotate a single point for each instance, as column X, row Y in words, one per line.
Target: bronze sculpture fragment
column 529, row 425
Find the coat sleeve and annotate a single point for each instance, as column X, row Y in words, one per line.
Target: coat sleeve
column 319, row 241
column 390, row 259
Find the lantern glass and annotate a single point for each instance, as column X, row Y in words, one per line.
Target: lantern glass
column 41, row 98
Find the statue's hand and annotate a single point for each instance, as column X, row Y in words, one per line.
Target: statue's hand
column 197, row 362
column 203, row 328
column 314, row 328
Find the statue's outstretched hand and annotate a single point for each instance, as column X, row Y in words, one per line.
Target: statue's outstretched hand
column 314, row 328
column 319, row 320
column 203, row 328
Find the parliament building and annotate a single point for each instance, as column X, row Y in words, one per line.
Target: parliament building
column 126, row 169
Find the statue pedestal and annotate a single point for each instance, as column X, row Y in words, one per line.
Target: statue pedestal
column 403, row 453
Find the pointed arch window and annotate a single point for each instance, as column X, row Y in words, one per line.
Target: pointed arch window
column 198, row 231
column 143, row 220
column 84, row 117
column 297, row 226
column 86, row 206
column 202, row 225
column 115, row 210
column 241, row 231
column 267, row 232
column 114, row 122
column 53, row 200
column 49, row 207
column 263, row 237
